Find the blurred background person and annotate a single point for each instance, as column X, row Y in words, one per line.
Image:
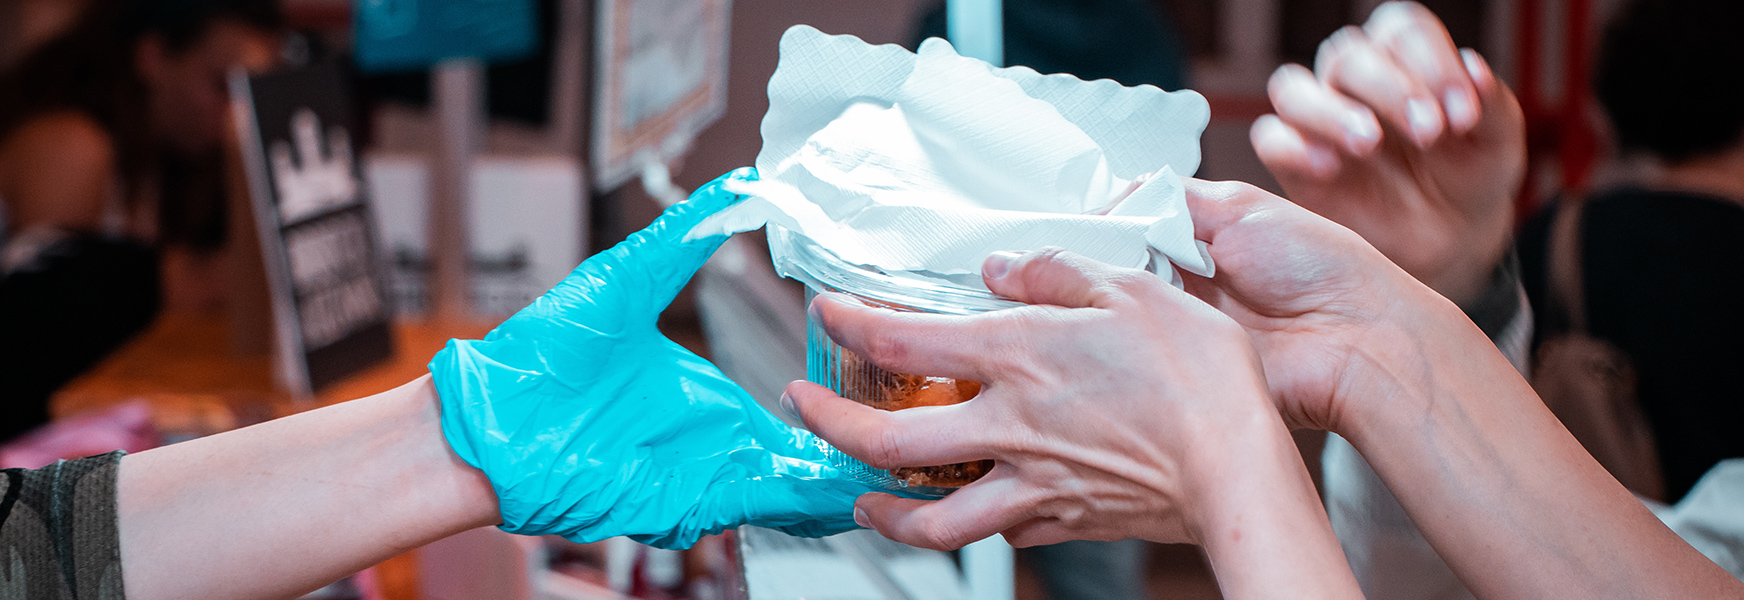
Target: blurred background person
column 1418, row 147
column 1661, row 244
column 111, row 140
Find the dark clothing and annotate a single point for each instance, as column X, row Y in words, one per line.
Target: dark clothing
column 1664, row 278
column 79, row 300
column 58, row 531
column 1128, row 41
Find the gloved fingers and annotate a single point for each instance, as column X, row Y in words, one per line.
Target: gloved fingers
column 643, row 273
column 1310, row 107
column 818, row 528
column 914, row 437
column 808, row 506
column 676, row 222
column 786, row 440
column 975, row 512
column 958, row 347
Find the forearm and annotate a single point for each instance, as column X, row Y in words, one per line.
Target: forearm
column 283, row 507
column 1262, row 525
column 1506, row 496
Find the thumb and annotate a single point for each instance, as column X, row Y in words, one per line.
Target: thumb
column 1218, row 206
column 1051, row 276
column 644, row 272
column 812, row 504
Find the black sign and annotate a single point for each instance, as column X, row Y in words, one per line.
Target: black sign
column 316, row 232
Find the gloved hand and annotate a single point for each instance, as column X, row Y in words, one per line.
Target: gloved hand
column 591, row 424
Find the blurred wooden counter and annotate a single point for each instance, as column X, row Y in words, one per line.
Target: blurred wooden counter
column 184, row 367
column 184, row 358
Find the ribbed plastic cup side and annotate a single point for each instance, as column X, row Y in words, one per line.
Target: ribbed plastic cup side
column 838, row 369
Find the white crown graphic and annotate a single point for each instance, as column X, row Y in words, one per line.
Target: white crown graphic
column 315, row 181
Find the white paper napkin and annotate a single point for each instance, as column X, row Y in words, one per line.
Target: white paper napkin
column 929, row 162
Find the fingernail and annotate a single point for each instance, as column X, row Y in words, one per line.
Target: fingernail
column 1425, row 123
column 1361, row 131
column 998, row 264
column 836, row 297
column 860, row 518
column 787, row 405
column 1475, row 66
column 1461, row 113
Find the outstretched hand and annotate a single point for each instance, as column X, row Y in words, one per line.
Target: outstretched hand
column 591, row 424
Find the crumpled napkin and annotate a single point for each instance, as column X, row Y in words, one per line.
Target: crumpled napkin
column 928, row 162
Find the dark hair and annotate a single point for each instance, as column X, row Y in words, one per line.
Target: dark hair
column 90, row 69
column 1670, row 74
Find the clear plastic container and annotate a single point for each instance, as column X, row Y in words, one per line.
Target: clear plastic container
column 856, row 379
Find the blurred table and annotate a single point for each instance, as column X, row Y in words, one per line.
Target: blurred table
column 183, row 366
column 189, row 356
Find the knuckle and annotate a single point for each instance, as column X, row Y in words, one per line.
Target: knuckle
column 1243, row 190
column 1226, row 190
column 885, row 451
column 1004, row 350
column 943, row 534
column 1040, row 266
column 886, row 348
column 1048, row 254
column 1132, row 282
column 1012, row 436
column 1022, row 538
column 1336, row 49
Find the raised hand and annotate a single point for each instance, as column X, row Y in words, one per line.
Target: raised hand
column 1403, row 138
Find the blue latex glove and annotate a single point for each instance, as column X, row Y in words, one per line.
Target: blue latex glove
column 591, row 424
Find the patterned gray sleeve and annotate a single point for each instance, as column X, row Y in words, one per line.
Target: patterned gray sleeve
column 58, row 533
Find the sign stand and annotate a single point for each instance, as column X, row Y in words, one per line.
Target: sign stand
column 458, row 91
column 315, row 228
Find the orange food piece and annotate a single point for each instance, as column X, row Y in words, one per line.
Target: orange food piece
column 945, row 476
column 867, row 384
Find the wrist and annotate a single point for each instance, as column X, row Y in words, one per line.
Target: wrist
column 462, row 492
column 1470, row 265
column 1229, row 459
column 1424, row 352
column 1260, row 521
